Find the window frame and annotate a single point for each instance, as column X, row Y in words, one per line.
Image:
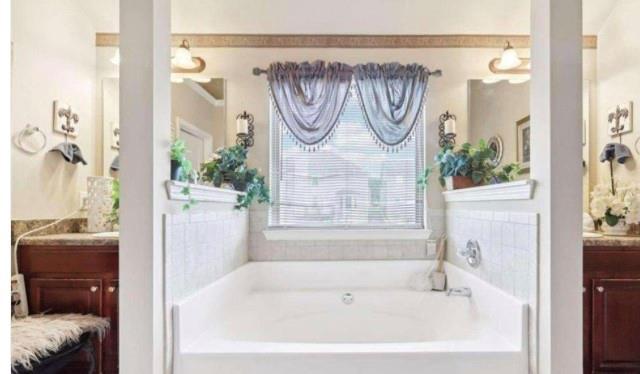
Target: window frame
column 282, row 232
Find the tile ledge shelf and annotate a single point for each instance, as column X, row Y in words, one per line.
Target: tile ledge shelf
column 517, row 190
column 200, row 192
column 345, row 234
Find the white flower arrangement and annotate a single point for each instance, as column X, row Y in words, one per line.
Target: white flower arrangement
column 610, row 208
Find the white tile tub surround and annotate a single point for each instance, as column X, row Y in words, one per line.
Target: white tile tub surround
column 509, row 249
column 261, row 249
column 202, row 247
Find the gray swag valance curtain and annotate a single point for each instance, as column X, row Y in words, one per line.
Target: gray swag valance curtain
column 309, row 98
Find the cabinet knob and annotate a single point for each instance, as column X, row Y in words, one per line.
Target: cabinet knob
column 600, row 289
column 111, row 289
column 93, row 288
column 584, row 289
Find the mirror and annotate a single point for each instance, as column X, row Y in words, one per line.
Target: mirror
column 198, row 113
column 499, row 114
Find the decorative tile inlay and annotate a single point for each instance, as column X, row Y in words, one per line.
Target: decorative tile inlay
column 343, row 41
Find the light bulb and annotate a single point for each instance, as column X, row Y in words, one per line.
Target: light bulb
column 183, row 58
column 116, row 57
column 509, row 58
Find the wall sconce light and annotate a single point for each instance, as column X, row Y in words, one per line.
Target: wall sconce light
column 244, row 129
column 447, row 130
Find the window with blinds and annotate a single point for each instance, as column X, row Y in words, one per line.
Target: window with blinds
column 349, row 182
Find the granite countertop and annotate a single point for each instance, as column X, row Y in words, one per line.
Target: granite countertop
column 69, row 239
column 612, row 241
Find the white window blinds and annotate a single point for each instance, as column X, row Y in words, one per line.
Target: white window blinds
column 349, row 182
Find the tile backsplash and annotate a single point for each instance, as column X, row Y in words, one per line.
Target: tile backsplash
column 508, row 243
column 261, row 249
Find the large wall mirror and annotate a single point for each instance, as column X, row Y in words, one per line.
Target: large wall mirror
column 198, row 113
column 499, row 114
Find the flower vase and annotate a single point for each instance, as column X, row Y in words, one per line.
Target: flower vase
column 619, row 229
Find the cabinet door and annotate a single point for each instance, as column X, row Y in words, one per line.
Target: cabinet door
column 616, row 325
column 65, row 296
column 110, row 344
column 54, row 295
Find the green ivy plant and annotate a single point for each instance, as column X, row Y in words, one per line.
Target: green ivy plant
column 466, row 161
column 179, row 153
column 508, row 173
column 228, row 165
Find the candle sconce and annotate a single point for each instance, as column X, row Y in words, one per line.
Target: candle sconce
column 244, row 129
column 447, row 129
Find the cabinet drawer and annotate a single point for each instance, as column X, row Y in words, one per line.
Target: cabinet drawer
column 53, row 295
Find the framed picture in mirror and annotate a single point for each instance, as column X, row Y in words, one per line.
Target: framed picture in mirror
column 523, row 142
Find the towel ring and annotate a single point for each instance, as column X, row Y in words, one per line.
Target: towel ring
column 29, row 131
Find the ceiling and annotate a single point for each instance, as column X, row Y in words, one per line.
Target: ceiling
column 349, row 17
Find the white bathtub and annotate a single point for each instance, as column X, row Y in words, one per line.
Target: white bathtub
column 290, row 317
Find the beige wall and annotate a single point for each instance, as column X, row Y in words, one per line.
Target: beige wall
column 53, row 59
column 618, row 59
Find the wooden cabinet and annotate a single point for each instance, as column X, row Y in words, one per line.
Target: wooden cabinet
column 612, row 310
column 75, row 279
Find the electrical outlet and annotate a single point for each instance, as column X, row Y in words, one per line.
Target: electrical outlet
column 18, row 290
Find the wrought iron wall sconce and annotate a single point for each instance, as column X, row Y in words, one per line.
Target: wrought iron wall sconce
column 447, row 129
column 244, row 129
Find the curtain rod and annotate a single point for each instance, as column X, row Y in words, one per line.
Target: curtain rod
column 258, row 71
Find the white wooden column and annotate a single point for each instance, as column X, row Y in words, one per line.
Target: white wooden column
column 556, row 117
column 145, row 124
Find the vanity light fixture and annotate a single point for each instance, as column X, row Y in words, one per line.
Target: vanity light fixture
column 182, row 62
column 447, row 129
column 244, row 129
column 116, row 57
column 509, row 58
column 183, row 58
column 509, row 62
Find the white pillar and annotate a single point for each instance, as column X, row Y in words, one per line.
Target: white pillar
column 556, row 117
column 145, row 124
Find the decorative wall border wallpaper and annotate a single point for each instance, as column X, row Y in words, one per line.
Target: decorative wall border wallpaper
column 343, row 41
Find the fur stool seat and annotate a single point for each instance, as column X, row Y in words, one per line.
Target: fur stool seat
column 37, row 338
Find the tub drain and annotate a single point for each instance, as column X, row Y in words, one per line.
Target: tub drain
column 347, row 298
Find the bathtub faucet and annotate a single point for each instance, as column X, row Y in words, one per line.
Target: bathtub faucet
column 459, row 291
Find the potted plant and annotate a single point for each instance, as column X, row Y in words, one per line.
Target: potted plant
column 228, row 166
column 182, row 169
column 464, row 167
column 616, row 211
column 180, row 166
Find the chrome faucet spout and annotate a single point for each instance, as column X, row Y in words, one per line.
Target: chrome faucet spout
column 459, row 291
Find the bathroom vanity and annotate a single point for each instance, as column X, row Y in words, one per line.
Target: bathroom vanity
column 75, row 273
column 611, row 305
